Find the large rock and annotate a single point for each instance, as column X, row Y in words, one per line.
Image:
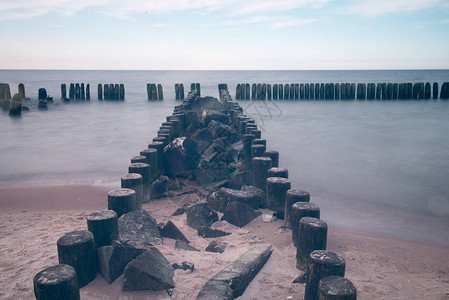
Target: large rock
column 182, row 245
column 239, row 214
column 203, row 138
column 209, row 116
column 240, row 179
column 207, row 232
column 159, row 187
column 181, row 157
column 216, row 290
column 149, row 271
column 207, row 103
column 170, row 230
column 138, row 229
column 199, row 214
column 249, row 195
column 209, row 173
column 112, row 260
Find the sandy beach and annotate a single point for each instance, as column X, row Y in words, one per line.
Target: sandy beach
column 381, row 267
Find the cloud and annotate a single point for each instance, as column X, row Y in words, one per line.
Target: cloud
column 21, row 9
column 253, row 19
column 291, row 23
column 374, row 8
column 446, row 21
column 162, row 25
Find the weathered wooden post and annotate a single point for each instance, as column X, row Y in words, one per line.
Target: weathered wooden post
column 343, row 91
column 395, row 91
column 401, row 92
column 144, row 170
column 298, row 211
column 264, row 91
column 88, row 91
column 238, row 92
column 56, row 282
column 257, row 150
column 82, row 92
column 42, row 94
column 198, row 88
column 293, row 196
column 139, row 159
column 409, row 90
column 435, row 90
column 322, row 91
column 160, row 92
column 389, row 94
column 159, row 146
column 378, row 91
column 281, row 91
column 277, row 188
column 134, row 181
column 106, row 91
column 306, row 91
column 312, row 235
column 336, row 288
column 253, row 91
column 415, row 91
column 63, row 91
column 384, row 91
column 370, row 91
column 192, row 86
column 122, row 91
column 122, row 201
column 181, row 91
column 177, row 91
column 72, row 91
column 361, row 91
column 269, row 91
column 296, row 91
column 274, row 155
column 444, row 91
column 151, row 155
column 104, row 226
column 260, row 167
column 427, row 90
column 277, row 172
column 301, row 91
column 77, row 249
column 286, row 91
column 77, row 91
column 100, row 92
column 322, row 264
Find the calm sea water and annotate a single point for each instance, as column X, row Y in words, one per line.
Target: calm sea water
column 381, row 166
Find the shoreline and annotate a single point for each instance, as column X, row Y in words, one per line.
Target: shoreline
column 380, row 266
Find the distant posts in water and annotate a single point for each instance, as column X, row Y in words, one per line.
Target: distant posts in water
column 179, row 91
column 435, row 90
column 21, row 89
column 63, row 91
column 196, row 86
column 100, row 92
column 154, row 92
column 444, row 91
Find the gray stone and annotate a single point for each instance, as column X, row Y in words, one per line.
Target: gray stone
column 239, row 214
column 170, row 230
column 182, row 245
column 209, row 115
column 207, row 232
column 159, row 187
column 208, row 103
column 184, row 266
column 199, row 214
column 149, row 271
column 215, row 290
column 112, row 260
column 216, row 247
column 248, row 194
column 181, row 157
column 138, row 229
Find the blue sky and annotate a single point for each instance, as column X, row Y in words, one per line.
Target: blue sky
column 224, row 34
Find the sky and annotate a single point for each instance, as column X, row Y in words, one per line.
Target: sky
column 224, row 34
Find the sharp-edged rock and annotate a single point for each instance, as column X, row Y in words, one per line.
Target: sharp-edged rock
column 239, row 214
column 138, row 229
column 181, row 157
column 159, row 187
column 184, row 266
column 181, row 245
column 199, row 214
column 216, row 247
column 170, row 230
column 249, row 195
column 207, row 232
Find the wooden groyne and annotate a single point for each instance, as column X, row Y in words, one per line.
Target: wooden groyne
column 342, row 91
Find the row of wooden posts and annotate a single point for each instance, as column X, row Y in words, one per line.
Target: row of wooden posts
column 179, row 90
column 341, row 91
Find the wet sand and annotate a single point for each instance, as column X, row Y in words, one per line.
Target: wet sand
column 381, row 267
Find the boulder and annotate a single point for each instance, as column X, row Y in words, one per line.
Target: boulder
column 170, row 230
column 112, row 260
column 207, row 102
column 149, row 271
column 208, row 173
column 199, row 214
column 184, row 266
column 181, row 157
column 239, row 180
column 138, row 229
column 209, row 115
column 207, row 232
column 182, row 245
column 219, row 129
column 249, row 195
column 216, row 290
column 216, row 247
column 239, row 214
column 159, row 187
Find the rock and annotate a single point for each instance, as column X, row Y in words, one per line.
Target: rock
column 208, row 103
column 170, row 230
column 209, row 173
column 239, row 180
column 149, row 271
column 220, row 129
column 138, row 229
column 184, row 266
column 15, row 108
column 215, row 290
column 112, row 260
column 216, row 247
column 209, row 115
column 159, row 187
column 207, row 232
column 239, row 214
column 199, row 214
column 182, row 245
column 179, row 211
column 248, row 195
column 181, row 157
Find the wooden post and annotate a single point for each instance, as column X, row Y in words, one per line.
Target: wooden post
column 444, row 95
column 427, row 90
column 159, row 146
column 306, row 91
column 269, row 91
column 277, row 188
column 88, row 91
column 361, row 91
column 72, row 91
column 56, row 282
column 82, row 91
column 122, row 91
column 260, row 142
column 435, row 90
column 152, row 159
column 260, row 167
column 198, row 88
column 160, row 92
column 253, row 91
column 63, row 91
column 343, row 91
column 77, row 91
column 192, row 86
column 301, row 91
column 322, row 91
column 134, row 181
column 181, row 91
column 371, row 91
column 384, row 91
column 100, row 92
column 322, row 264
column 122, row 201
column 144, row 170
column 336, row 288
column 296, row 91
column 76, row 249
column 277, row 172
column 257, row 150
column 395, row 91
column 378, row 91
column 286, row 91
column 312, row 236
column 104, row 227
column 293, row 196
column 274, row 155
column 389, row 94
column 281, row 91
column 298, row 211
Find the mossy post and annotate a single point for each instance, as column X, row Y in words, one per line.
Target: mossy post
column 77, row 249
column 122, row 201
column 300, row 210
column 260, row 167
column 104, row 226
column 159, row 146
column 336, row 288
column 277, row 188
column 293, row 196
column 134, row 181
column 312, row 236
column 152, row 159
column 322, row 264
column 56, row 282
column 144, row 170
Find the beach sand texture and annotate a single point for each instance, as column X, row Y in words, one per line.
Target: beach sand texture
column 381, row 267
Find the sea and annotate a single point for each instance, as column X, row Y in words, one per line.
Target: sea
column 377, row 166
